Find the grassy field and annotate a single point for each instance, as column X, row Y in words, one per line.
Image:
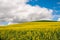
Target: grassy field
column 31, row 31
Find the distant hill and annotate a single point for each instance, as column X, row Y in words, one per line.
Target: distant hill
column 39, row 22
column 45, row 21
column 35, row 24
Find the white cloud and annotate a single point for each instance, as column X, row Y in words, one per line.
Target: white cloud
column 58, row 19
column 14, row 11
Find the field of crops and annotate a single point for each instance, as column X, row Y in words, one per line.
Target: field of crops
column 31, row 31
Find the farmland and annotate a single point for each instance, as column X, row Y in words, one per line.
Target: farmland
column 31, row 31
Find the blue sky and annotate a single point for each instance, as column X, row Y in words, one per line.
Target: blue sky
column 46, row 3
column 50, row 4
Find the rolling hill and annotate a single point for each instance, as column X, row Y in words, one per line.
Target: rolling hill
column 45, row 21
column 35, row 24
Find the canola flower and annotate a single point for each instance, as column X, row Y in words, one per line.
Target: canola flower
column 31, row 31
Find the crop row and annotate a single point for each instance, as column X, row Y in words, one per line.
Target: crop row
column 36, row 34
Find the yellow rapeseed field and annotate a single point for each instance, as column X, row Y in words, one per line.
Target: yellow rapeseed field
column 31, row 31
column 32, row 25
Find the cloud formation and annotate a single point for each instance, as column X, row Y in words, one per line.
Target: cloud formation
column 58, row 19
column 15, row 11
